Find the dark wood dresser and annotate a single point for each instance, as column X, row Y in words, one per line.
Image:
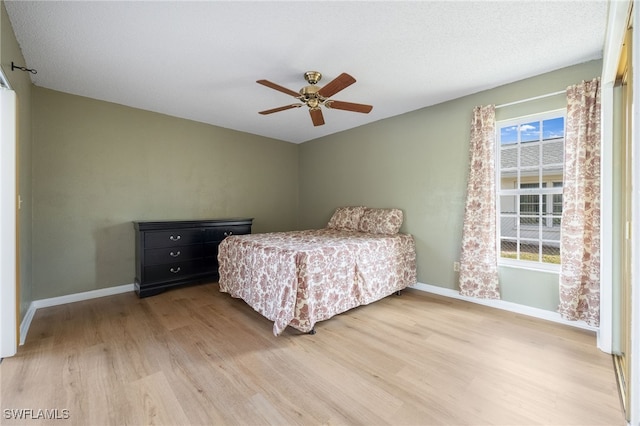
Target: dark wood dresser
column 177, row 252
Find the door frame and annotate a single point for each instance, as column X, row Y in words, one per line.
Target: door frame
column 8, row 222
column 620, row 13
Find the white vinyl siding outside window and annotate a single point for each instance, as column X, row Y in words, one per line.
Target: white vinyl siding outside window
column 530, row 179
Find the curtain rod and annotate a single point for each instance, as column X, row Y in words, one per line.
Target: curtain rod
column 531, row 99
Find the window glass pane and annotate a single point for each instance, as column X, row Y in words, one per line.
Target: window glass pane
column 530, row 131
column 529, row 204
column 508, row 157
column 530, row 231
column 551, row 173
column 508, row 227
column 551, row 235
column 508, row 135
column 553, row 152
column 529, row 250
column 508, row 204
column 508, row 180
column 508, row 249
column 530, row 155
column 529, row 219
column 530, row 179
column 551, row 253
column 553, row 128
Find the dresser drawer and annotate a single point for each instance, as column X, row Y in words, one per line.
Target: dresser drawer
column 172, row 254
column 172, row 271
column 176, row 237
column 220, row 233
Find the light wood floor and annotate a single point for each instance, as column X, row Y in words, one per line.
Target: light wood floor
column 197, row 356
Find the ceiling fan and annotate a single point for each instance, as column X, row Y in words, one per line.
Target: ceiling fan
column 314, row 96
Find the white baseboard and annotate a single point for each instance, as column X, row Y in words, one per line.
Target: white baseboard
column 498, row 304
column 26, row 323
column 69, row 298
column 504, row 305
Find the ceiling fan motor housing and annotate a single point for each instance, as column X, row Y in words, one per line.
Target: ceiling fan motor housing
column 310, row 96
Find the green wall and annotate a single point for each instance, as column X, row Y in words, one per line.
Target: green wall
column 418, row 162
column 88, row 168
column 98, row 166
column 21, row 84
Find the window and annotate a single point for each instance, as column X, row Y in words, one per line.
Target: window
column 530, row 158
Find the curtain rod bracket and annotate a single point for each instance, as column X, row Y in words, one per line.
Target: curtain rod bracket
column 14, row 67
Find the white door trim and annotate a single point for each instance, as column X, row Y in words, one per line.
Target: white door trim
column 8, row 224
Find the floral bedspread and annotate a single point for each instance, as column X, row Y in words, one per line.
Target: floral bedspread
column 301, row 277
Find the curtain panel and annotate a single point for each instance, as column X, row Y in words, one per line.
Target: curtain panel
column 580, row 228
column 478, row 257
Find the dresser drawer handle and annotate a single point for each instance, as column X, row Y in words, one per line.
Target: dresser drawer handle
column 172, row 238
column 176, row 254
column 227, row 234
column 176, row 270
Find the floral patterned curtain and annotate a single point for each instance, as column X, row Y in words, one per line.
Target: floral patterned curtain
column 580, row 228
column 478, row 257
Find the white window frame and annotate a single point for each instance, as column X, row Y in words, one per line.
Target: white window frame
column 547, row 191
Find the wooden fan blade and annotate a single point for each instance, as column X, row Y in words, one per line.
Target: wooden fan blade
column 348, row 106
column 282, row 108
column 278, row 88
column 342, row 81
column 316, row 116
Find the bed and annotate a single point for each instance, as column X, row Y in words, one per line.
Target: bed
column 299, row 278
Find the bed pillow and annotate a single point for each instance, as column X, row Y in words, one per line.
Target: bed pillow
column 346, row 218
column 381, row 221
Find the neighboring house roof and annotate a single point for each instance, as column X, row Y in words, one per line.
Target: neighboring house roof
column 552, row 157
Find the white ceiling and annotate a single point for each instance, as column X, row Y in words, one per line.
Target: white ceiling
column 200, row 60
